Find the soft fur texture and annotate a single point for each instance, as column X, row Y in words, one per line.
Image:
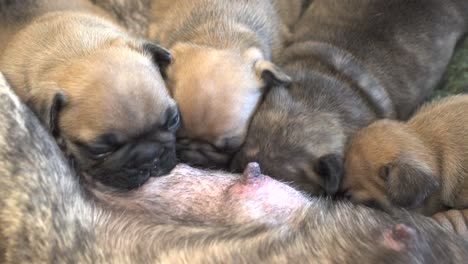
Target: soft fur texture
column 223, row 51
column 352, row 62
column 97, row 89
column 45, row 217
column 420, row 164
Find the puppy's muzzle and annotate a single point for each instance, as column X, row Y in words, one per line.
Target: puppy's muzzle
column 132, row 165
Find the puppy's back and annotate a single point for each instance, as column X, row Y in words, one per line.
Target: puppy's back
column 215, row 23
column 443, row 125
column 14, row 15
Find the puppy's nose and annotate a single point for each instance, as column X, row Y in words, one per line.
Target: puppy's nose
column 330, row 168
column 230, row 144
column 145, row 154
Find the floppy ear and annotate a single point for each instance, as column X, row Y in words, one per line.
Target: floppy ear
column 161, row 56
column 48, row 110
column 408, row 186
column 266, row 71
column 271, row 74
column 331, row 169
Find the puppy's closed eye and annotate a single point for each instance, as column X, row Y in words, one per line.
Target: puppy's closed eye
column 102, row 146
column 173, row 120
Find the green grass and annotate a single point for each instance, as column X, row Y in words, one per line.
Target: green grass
column 455, row 80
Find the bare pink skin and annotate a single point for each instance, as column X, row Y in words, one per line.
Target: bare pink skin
column 210, row 197
column 399, row 238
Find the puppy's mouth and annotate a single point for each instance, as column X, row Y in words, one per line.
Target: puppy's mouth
column 132, row 174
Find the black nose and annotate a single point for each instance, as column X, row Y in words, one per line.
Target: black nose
column 231, row 144
column 143, row 155
column 331, row 169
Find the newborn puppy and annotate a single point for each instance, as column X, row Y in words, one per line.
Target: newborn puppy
column 420, row 165
column 352, row 62
column 98, row 90
column 222, row 67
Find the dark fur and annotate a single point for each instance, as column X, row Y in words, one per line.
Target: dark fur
column 45, row 217
column 352, row 62
column 408, row 186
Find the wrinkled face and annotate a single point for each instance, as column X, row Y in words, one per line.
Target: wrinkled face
column 119, row 123
column 295, row 141
column 217, row 93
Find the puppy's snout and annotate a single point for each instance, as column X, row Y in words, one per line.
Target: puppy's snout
column 144, row 155
column 331, row 169
column 230, row 144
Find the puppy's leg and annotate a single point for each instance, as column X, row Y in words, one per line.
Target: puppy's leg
column 455, row 220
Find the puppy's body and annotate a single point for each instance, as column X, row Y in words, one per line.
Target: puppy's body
column 17, row 14
column 420, row 165
column 98, row 90
column 131, row 14
column 352, row 62
column 45, row 217
column 222, row 52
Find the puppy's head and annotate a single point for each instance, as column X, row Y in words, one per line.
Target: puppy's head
column 297, row 135
column 112, row 112
column 387, row 165
column 217, row 91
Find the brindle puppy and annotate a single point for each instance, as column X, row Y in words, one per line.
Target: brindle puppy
column 352, row 62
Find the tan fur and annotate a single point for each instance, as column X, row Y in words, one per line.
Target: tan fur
column 220, row 55
column 434, row 142
column 110, row 82
column 454, row 220
column 98, row 69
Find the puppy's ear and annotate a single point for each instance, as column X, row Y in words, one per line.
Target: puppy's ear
column 48, row 109
column 408, row 186
column 161, row 56
column 271, row 74
column 331, row 169
column 266, row 71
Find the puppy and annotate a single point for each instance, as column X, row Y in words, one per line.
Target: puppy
column 222, row 67
column 420, row 165
column 352, row 62
column 98, row 90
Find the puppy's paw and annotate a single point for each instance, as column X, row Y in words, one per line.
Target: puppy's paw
column 454, row 220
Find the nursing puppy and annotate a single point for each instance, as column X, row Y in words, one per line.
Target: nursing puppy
column 420, row 165
column 222, row 67
column 98, row 90
column 45, row 216
column 352, row 62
